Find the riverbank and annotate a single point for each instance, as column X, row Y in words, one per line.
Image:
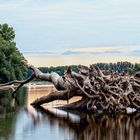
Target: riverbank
column 30, row 86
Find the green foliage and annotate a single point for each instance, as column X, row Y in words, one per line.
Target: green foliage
column 60, row 69
column 11, row 66
column 6, row 32
column 118, row 67
column 137, row 67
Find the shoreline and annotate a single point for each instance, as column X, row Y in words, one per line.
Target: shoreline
column 34, row 85
column 28, row 86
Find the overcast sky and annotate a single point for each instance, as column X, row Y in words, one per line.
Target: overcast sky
column 69, row 26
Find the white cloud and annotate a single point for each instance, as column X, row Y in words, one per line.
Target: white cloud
column 105, row 51
column 99, row 49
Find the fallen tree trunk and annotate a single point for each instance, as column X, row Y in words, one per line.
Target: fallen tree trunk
column 99, row 92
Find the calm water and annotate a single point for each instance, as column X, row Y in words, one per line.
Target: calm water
column 19, row 121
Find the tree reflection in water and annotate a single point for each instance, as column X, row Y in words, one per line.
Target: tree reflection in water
column 96, row 127
column 16, row 115
column 9, row 109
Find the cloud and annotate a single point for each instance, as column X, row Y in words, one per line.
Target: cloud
column 105, row 51
column 89, row 51
column 38, row 53
column 98, row 49
column 71, row 53
column 94, row 50
column 135, row 53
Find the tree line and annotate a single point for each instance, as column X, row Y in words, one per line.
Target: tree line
column 118, row 67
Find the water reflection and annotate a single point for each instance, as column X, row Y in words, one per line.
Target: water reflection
column 18, row 121
column 97, row 127
column 9, row 108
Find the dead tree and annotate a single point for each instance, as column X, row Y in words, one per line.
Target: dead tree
column 99, row 92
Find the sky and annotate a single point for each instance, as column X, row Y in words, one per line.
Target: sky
column 74, row 27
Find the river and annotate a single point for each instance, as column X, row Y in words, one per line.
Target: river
column 20, row 121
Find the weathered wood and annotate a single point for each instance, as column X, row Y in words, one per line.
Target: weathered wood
column 99, row 92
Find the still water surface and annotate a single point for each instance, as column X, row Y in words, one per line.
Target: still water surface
column 20, row 121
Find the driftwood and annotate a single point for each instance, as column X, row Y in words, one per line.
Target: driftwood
column 99, row 92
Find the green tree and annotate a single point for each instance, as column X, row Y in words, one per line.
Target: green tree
column 6, row 32
column 11, row 66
